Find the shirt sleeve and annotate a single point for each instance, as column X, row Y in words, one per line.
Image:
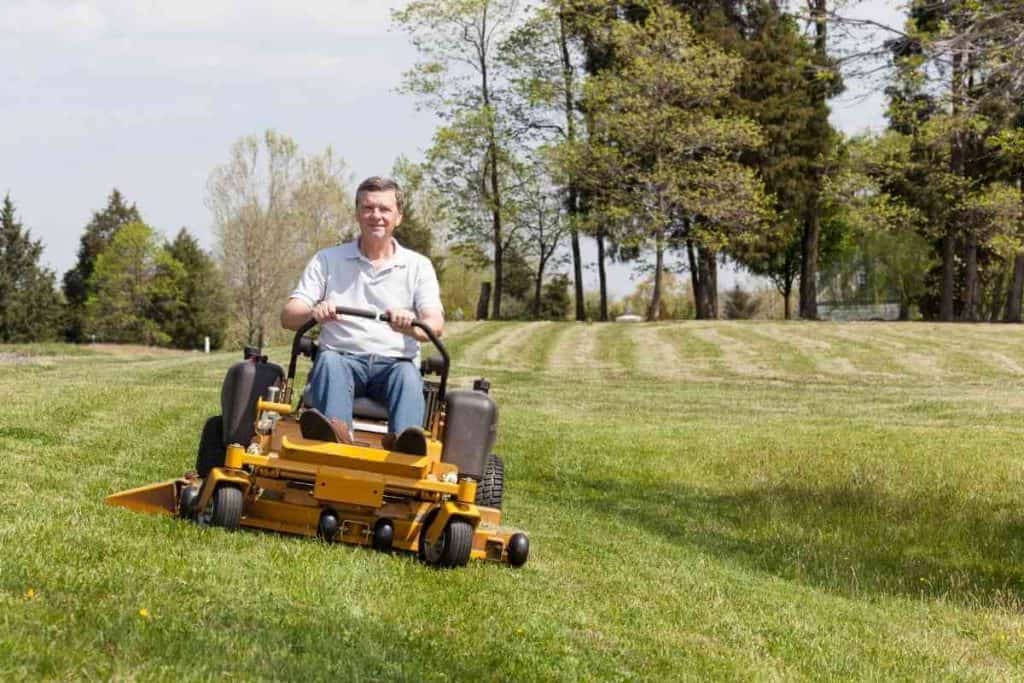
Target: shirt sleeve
column 427, row 293
column 313, row 283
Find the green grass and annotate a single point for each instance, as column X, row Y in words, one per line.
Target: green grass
column 704, row 500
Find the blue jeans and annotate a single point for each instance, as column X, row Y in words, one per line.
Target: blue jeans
column 338, row 378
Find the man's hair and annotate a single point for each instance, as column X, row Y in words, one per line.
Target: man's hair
column 380, row 184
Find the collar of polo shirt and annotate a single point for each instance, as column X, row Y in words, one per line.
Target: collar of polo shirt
column 397, row 260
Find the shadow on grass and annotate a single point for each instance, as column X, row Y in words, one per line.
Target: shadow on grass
column 854, row 541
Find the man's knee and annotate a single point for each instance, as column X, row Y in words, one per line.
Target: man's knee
column 404, row 375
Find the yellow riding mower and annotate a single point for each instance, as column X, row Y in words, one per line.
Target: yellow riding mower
column 256, row 469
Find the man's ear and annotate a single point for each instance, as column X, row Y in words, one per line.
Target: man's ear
column 398, row 219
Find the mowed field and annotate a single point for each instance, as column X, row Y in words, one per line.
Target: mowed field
column 704, row 500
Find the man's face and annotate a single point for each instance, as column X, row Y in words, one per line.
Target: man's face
column 378, row 214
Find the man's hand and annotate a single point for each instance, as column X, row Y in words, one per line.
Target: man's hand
column 401, row 321
column 324, row 310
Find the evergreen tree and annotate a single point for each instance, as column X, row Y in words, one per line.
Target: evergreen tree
column 98, row 234
column 30, row 306
column 187, row 297
column 740, row 304
column 774, row 90
column 554, row 299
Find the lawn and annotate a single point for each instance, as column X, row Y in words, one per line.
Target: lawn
column 704, row 500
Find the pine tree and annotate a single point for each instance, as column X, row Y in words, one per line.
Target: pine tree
column 30, row 305
column 187, row 296
column 98, row 234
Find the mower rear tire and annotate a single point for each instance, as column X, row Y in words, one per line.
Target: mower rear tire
column 491, row 489
column 452, row 548
column 227, row 507
column 211, row 446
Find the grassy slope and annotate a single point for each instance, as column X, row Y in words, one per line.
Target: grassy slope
column 727, row 500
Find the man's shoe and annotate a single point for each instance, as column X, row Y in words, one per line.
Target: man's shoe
column 316, row 426
column 412, row 441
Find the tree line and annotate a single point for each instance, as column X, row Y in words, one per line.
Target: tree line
column 671, row 132
column 700, row 129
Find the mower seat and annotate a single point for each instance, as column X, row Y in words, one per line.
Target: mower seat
column 363, row 407
column 368, row 409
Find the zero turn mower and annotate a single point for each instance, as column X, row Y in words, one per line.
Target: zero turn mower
column 255, row 469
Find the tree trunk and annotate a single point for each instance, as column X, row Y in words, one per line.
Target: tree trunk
column 1013, row 297
column 602, row 277
column 711, row 289
column 809, row 262
column 536, row 291
column 948, row 274
column 970, row 311
column 483, row 303
column 695, row 281
column 495, row 189
column 956, row 163
column 577, row 272
column 706, row 294
column 787, row 293
column 812, row 221
column 572, row 199
column 996, row 302
column 654, row 309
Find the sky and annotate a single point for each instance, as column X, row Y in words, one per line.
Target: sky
column 148, row 96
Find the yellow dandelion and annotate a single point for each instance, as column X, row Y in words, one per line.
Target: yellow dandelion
column 144, row 613
column 30, row 594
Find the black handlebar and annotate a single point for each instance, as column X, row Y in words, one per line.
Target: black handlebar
column 372, row 315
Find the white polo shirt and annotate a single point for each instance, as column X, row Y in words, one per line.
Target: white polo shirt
column 343, row 276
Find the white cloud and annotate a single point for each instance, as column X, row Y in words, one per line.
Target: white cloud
column 75, row 19
column 91, row 18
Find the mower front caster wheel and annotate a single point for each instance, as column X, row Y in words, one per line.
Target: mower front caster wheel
column 224, row 508
column 187, row 500
column 452, row 549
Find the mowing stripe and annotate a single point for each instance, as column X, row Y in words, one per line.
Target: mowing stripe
column 615, row 344
column 656, row 355
column 738, row 358
column 575, row 352
column 472, row 349
column 512, row 350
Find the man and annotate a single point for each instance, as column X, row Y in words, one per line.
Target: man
column 361, row 357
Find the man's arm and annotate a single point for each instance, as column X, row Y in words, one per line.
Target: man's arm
column 401, row 321
column 297, row 313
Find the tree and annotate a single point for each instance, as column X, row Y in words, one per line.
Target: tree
column 189, row 302
column 273, row 209
column 460, row 80
column 740, row 304
column 951, row 100
column 542, row 223
column 30, row 306
column 423, row 221
column 554, row 302
column 122, row 284
column 98, row 234
column 826, row 84
column 775, row 91
column 659, row 160
column 547, row 77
